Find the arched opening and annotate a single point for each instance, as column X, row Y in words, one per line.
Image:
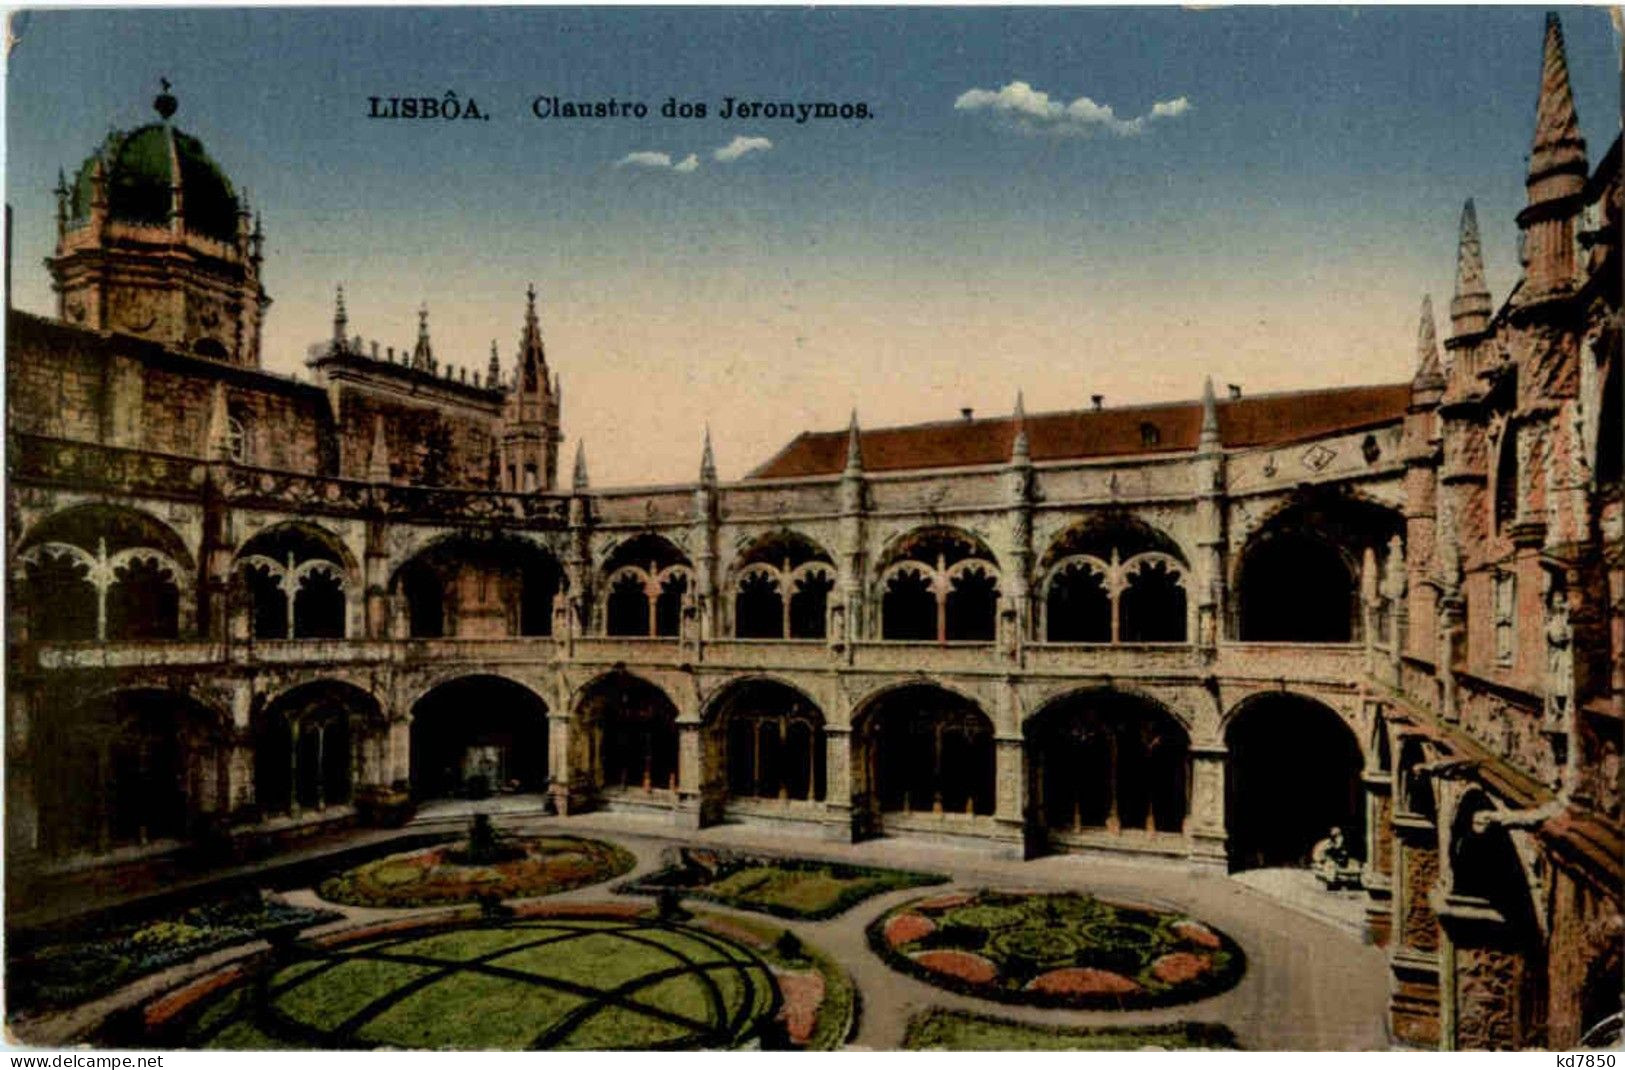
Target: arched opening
column 647, row 580
column 908, row 606
column 1293, row 774
column 1297, row 580
column 1506, row 478
column 939, row 584
column 489, row 587
column 1493, row 914
column 103, row 572
column 1103, row 760
column 632, row 728
column 476, row 736
column 313, row 745
column 1151, row 606
column 127, row 769
column 772, row 742
column 1114, row 578
column 301, row 561
column 927, row 751
column 1610, row 431
column 759, row 607
column 782, row 590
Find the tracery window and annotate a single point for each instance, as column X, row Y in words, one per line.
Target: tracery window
column 1141, row 600
column 942, row 586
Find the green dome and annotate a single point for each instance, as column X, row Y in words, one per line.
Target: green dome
column 140, row 175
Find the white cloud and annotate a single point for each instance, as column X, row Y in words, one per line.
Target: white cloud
column 645, row 159
column 688, row 163
column 741, row 146
column 1033, row 110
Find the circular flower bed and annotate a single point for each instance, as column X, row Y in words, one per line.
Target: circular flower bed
column 1056, row 950
column 539, row 866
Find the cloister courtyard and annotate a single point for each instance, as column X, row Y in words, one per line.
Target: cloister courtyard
column 518, row 929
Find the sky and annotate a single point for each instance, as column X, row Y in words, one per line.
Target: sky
column 1068, row 202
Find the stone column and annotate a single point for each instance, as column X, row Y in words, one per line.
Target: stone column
column 1010, row 793
column 690, row 799
column 839, row 801
column 375, row 569
column 1378, row 874
column 400, row 750
column 1414, row 1000
column 1204, row 826
column 1483, row 969
column 568, row 765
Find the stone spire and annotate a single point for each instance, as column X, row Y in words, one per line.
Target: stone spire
column 493, row 369
column 532, row 356
column 1208, row 439
column 1020, row 448
column 1557, row 159
column 423, row 353
column 1429, row 372
column 578, row 480
column 341, row 321
column 1470, row 308
column 708, row 462
column 378, row 456
column 854, row 445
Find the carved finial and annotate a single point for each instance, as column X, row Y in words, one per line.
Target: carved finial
column 578, row 480
column 423, row 352
column 1209, row 435
column 493, row 369
column 1557, row 160
column 1429, row 372
column 341, row 320
column 1020, row 449
column 854, row 445
column 1470, row 308
column 708, row 462
column 165, row 103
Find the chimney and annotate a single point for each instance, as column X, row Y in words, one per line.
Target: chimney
column 374, row 350
column 1099, row 401
column 391, row 351
column 967, row 413
column 1235, row 390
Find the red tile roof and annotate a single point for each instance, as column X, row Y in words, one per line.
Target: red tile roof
column 1055, row 436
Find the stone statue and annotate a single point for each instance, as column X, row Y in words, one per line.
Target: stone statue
column 1332, row 864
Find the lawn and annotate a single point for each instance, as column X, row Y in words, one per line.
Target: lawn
column 944, row 1030
column 784, row 887
column 1056, row 949
column 538, row 866
column 70, row 965
column 547, row 980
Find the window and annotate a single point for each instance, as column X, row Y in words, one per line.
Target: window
column 1506, row 604
column 1149, row 435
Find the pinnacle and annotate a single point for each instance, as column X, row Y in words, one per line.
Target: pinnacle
column 1470, row 308
column 1429, row 372
column 1558, row 146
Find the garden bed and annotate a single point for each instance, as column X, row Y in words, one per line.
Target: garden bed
column 72, row 965
column 441, row 875
column 945, row 1030
column 566, row 979
column 1056, row 950
column 784, row 887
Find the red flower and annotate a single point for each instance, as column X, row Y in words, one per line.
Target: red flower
column 907, row 928
column 960, row 964
column 1180, row 966
column 1082, row 981
column 803, row 994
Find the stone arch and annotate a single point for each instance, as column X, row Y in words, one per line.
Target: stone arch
column 1297, row 577
column 1279, row 801
column 1494, row 923
column 646, row 580
column 1504, row 492
column 938, row 583
column 1102, row 534
column 1113, row 577
column 104, row 572
column 314, row 743
column 764, row 739
column 301, row 581
column 481, row 586
column 1116, row 762
column 921, row 748
column 129, row 767
column 627, row 735
column 478, row 734
column 780, row 586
